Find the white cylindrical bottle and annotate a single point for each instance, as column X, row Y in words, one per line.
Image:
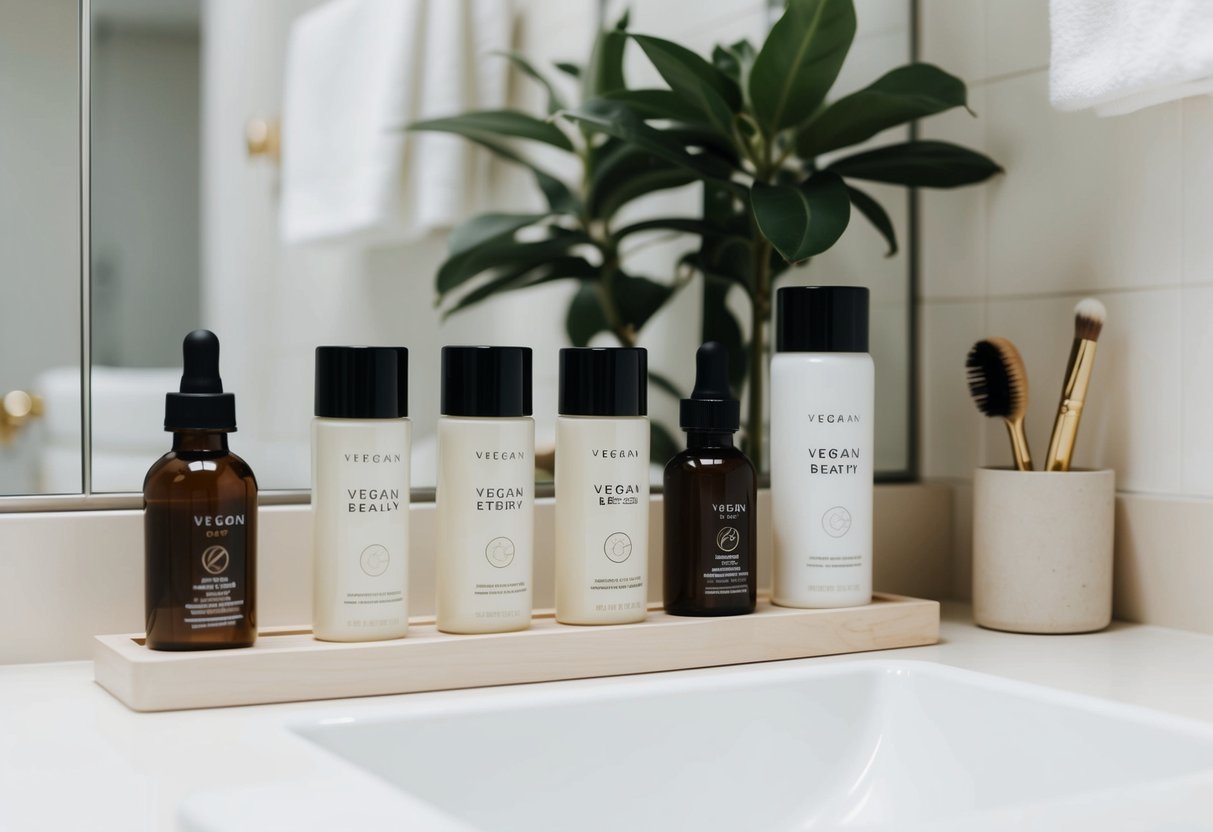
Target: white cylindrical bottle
column 485, row 496
column 822, row 410
column 361, row 442
column 602, row 487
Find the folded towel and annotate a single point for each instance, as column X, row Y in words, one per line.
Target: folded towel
column 357, row 72
column 1121, row 55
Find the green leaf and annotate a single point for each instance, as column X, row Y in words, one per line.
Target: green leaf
column 560, row 199
column 736, row 61
column 502, row 251
column 680, row 224
column 555, row 102
column 905, row 94
column 528, row 275
column 665, row 105
column 585, row 318
column 570, row 69
column 802, row 220
column 493, row 124
column 662, row 383
column 876, row 215
column 625, row 173
column 719, row 324
column 604, row 71
column 800, row 61
column 662, row 445
column 708, row 89
column 922, row 164
column 484, row 227
column 636, row 299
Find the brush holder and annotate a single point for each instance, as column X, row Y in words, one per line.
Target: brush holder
column 1042, row 550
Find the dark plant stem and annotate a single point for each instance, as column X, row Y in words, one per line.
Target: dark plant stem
column 760, row 312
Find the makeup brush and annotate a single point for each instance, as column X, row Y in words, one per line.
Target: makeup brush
column 1088, row 321
column 998, row 383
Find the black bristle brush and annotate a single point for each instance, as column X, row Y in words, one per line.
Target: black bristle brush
column 998, row 383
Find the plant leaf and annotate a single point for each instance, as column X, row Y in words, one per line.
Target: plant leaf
column 680, row 224
column 493, row 124
column 907, row 93
column 736, row 61
column 662, row 445
column 637, row 299
column 625, row 173
column 555, row 101
column 802, row 220
column 503, row 251
column 528, row 275
column 876, row 215
column 570, row 69
column 662, row 383
column 484, row 227
column 708, row 89
column 800, row 61
column 922, row 164
column 603, row 72
column 560, row 199
column 584, row 318
column 665, row 105
column 719, row 324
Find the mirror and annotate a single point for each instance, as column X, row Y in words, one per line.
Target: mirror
column 188, row 229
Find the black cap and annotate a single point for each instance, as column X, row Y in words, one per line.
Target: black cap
column 201, row 404
column 604, row 381
column 821, row 319
column 486, row 381
column 711, row 407
column 362, row 382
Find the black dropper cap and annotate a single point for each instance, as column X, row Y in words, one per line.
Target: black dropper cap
column 362, row 382
column 486, row 381
column 821, row 319
column 603, row 381
column 201, row 404
column 711, row 407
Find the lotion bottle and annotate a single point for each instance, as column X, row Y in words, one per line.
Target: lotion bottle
column 485, row 494
column 361, row 442
column 602, row 486
column 200, row 518
column 822, row 412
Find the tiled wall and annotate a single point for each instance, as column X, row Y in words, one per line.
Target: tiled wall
column 1118, row 208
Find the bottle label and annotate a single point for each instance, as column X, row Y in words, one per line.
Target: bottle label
column 726, row 562
column 217, row 567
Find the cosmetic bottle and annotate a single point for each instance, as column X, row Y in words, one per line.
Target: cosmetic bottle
column 360, row 494
column 485, row 496
column 602, row 486
column 710, row 500
column 200, row 518
column 822, row 388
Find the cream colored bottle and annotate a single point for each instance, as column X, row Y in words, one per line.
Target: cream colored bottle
column 602, row 487
column 485, row 495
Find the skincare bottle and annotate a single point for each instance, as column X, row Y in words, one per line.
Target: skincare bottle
column 360, row 494
column 602, row 486
column 822, row 383
column 710, row 497
column 485, row 496
column 200, row 518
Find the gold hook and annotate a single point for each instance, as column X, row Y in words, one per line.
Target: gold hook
column 263, row 137
column 16, row 409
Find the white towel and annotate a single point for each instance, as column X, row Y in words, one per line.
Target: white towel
column 1122, row 55
column 357, row 72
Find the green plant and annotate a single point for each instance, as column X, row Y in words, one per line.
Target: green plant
column 752, row 125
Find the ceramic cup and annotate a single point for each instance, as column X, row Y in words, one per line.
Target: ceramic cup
column 1042, row 550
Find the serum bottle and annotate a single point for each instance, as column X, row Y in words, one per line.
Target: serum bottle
column 200, row 518
column 711, row 492
column 361, row 441
column 602, row 486
column 485, row 496
column 822, row 410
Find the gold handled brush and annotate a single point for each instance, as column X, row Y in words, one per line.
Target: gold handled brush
column 1088, row 322
column 998, row 383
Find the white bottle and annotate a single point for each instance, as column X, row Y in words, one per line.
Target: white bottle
column 485, row 496
column 602, row 487
column 822, row 410
column 361, row 441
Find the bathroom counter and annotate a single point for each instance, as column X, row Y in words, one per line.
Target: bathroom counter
column 73, row 757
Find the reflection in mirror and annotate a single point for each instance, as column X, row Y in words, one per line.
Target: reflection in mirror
column 334, row 235
column 40, row 447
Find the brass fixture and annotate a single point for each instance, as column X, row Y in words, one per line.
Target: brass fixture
column 263, row 137
column 16, row 409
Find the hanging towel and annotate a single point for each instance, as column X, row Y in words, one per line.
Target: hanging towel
column 1122, row 55
column 357, row 72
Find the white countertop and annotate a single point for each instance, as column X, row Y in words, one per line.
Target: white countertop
column 72, row 757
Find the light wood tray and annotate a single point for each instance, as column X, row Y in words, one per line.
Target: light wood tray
column 288, row 665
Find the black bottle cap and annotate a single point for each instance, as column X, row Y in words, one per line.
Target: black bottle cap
column 362, row 382
column 603, row 381
column 486, row 381
column 201, row 404
column 821, row 319
column 711, row 407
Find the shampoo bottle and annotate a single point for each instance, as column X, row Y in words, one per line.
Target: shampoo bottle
column 602, row 487
column 485, row 495
column 200, row 518
column 360, row 494
column 822, row 409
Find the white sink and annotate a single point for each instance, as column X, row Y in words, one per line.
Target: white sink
column 854, row 745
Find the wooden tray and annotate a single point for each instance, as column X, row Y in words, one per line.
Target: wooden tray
column 288, row 665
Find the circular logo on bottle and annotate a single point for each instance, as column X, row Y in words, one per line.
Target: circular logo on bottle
column 836, row 521
column 375, row 560
column 500, row 552
column 728, row 539
column 215, row 559
column 618, row 547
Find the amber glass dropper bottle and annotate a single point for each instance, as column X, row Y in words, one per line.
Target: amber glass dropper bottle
column 200, row 518
column 711, row 492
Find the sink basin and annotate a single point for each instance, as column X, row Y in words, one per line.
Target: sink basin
column 853, row 745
